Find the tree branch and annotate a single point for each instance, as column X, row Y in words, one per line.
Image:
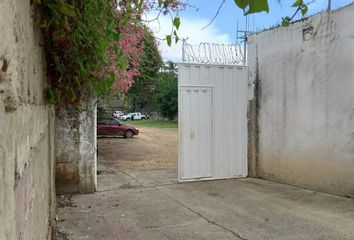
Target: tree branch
column 217, row 13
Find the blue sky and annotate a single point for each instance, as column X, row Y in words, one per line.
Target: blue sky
column 230, row 14
column 223, row 29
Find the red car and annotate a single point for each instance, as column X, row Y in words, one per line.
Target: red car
column 112, row 127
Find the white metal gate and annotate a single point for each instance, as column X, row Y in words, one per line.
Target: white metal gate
column 212, row 121
column 196, row 132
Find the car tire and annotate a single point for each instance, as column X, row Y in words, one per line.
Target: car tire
column 143, row 118
column 129, row 134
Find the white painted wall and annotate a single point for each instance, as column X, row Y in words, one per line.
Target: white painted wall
column 226, row 88
column 306, row 98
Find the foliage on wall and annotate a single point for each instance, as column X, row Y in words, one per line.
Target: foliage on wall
column 84, row 48
column 93, row 48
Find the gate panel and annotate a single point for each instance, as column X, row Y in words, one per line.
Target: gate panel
column 196, row 134
column 212, row 121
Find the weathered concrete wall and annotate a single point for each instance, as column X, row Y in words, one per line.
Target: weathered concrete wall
column 27, row 193
column 305, row 74
column 75, row 152
column 67, row 149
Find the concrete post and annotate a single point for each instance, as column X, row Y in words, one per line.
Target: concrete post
column 75, row 148
column 87, row 164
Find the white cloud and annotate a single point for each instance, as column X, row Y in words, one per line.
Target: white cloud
column 191, row 29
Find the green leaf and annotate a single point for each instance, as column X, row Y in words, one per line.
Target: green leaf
column 298, row 3
column 77, row 81
column 67, row 10
column 139, row 5
column 116, row 35
column 58, row 34
column 102, row 45
column 241, row 3
column 285, row 22
column 123, row 63
column 304, row 10
column 257, row 6
column 52, row 95
column 111, row 75
column 117, row 51
column 169, row 40
column 176, row 36
column 111, row 25
column 71, row 94
column 177, row 22
column 45, row 24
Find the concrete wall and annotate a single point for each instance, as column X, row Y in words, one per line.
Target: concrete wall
column 76, row 149
column 304, row 79
column 27, row 194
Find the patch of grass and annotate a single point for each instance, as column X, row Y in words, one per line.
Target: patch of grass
column 153, row 123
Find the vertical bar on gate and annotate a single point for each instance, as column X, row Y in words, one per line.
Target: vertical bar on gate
column 183, row 50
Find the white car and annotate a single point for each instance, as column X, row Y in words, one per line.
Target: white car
column 118, row 114
column 135, row 116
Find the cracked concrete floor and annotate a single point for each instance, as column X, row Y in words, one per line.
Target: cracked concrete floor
column 133, row 204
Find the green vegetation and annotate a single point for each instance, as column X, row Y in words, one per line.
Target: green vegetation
column 166, row 96
column 153, row 123
column 141, row 95
column 102, row 113
column 77, row 39
column 155, row 89
column 93, row 48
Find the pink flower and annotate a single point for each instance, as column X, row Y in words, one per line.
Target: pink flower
column 132, row 48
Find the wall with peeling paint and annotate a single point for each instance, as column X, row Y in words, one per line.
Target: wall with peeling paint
column 27, row 193
column 305, row 102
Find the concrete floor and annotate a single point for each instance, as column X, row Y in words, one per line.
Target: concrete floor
column 150, row 205
column 133, row 204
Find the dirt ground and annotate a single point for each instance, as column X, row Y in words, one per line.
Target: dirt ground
column 152, row 149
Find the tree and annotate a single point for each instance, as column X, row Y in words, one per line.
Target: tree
column 166, row 97
column 124, row 63
column 102, row 113
column 170, row 67
column 141, row 94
